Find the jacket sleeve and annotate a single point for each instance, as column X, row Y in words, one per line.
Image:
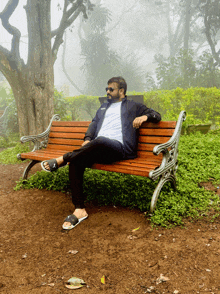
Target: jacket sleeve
column 153, row 116
column 91, row 128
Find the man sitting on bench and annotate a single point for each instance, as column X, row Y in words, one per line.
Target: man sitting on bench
column 111, row 136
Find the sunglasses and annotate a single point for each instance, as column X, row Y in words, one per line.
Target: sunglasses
column 110, row 89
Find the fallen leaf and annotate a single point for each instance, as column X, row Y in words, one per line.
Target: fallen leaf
column 73, row 251
column 103, row 279
column 51, row 284
column 131, row 237
column 135, row 229
column 161, row 279
column 75, row 283
column 150, row 289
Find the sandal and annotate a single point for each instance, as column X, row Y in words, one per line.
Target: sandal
column 73, row 220
column 52, row 165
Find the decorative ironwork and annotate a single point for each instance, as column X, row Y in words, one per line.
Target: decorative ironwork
column 40, row 141
column 28, row 168
column 169, row 165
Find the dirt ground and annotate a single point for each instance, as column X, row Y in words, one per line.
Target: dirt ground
column 35, row 254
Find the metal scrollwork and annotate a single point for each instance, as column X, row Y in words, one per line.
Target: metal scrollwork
column 169, row 165
column 40, row 141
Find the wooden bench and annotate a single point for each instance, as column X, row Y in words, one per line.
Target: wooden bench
column 156, row 156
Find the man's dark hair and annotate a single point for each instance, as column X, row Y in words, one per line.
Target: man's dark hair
column 120, row 81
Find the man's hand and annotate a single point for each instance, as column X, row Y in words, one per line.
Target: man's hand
column 84, row 143
column 139, row 120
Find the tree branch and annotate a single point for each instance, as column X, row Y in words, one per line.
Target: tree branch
column 120, row 18
column 170, row 39
column 65, row 22
column 5, row 15
column 55, row 32
column 209, row 38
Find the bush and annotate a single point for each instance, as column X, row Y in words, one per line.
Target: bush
column 9, row 155
column 202, row 105
column 198, row 161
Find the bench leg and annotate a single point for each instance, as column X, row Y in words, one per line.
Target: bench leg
column 28, row 168
column 164, row 178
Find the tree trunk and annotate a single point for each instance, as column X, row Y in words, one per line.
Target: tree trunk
column 34, row 104
column 33, row 83
column 187, row 24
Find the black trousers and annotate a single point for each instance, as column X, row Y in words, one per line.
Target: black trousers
column 99, row 150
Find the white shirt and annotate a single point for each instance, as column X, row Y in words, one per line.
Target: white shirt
column 111, row 127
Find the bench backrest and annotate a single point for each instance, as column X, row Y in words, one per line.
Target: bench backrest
column 69, row 135
column 136, row 98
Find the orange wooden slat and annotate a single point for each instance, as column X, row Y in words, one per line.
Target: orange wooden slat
column 34, row 156
column 71, row 142
column 125, row 170
column 160, row 125
column 71, row 123
column 67, row 135
column 53, row 152
column 152, row 139
column 69, row 129
column 66, row 148
column 148, row 154
column 137, row 165
column 156, row 132
column 146, row 147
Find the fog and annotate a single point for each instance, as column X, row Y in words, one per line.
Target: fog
column 131, row 34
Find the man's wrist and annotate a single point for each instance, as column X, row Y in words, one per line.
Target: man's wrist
column 145, row 116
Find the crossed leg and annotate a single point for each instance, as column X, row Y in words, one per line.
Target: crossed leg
column 78, row 212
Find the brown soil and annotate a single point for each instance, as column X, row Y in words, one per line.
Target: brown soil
column 35, row 258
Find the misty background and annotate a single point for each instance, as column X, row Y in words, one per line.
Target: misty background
column 153, row 44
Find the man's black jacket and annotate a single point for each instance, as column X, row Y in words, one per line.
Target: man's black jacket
column 129, row 111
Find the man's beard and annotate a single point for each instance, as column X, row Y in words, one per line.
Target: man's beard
column 113, row 98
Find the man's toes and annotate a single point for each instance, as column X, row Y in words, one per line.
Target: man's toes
column 46, row 165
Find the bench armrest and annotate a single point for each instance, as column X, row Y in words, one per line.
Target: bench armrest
column 174, row 140
column 169, row 160
column 40, row 141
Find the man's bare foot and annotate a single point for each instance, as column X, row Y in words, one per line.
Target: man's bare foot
column 79, row 213
column 59, row 162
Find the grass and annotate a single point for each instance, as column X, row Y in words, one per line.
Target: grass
column 199, row 160
column 12, row 147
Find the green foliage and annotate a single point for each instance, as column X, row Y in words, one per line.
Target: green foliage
column 82, row 107
column 4, row 97
column 202, row 105
column 9, row 155
column 7, row 99
column 11, row 141
column 199, row 160
column 75, row 108
column 60, row 105
column 184, row 70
